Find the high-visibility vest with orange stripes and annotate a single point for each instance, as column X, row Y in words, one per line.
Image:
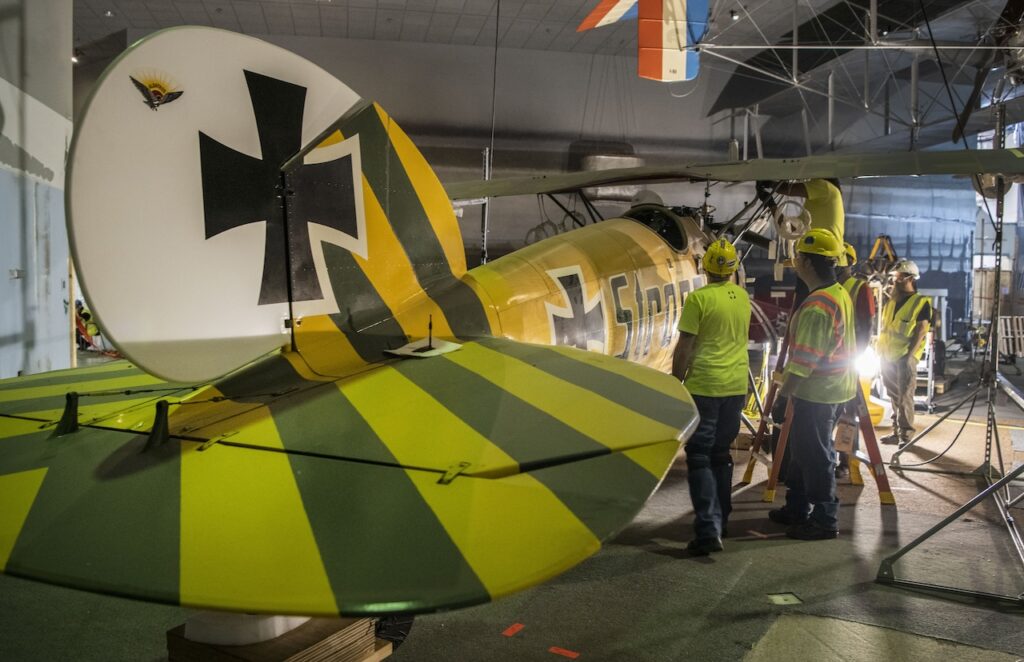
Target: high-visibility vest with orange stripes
column 898, row 326
column 821, row 345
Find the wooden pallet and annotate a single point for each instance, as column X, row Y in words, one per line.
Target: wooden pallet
column 318, row 640
column 942, row 384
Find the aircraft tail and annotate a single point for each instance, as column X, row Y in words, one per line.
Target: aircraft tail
column 407, row 275
column 273, row 202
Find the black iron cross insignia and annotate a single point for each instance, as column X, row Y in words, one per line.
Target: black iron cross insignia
column 581, row 324
column 239, row 189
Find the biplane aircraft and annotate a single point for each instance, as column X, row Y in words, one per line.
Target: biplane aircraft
column 322, row 410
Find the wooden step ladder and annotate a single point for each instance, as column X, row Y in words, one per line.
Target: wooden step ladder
column 873, row 458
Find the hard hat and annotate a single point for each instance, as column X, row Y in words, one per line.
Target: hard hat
column 819, row 241
column 646, row 197
column 851, row 254
column 906, row 267
column 720, row 259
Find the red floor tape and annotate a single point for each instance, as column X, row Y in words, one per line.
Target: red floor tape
column 513, row 629
column 572, row 655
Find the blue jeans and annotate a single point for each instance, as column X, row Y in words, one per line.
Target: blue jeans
column 709, row 463
column 811, row 479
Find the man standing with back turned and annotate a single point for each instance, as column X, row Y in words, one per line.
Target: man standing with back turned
column 711, row 355
column 818, row 379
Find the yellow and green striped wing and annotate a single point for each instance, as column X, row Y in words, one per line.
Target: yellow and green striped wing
column 412, row 486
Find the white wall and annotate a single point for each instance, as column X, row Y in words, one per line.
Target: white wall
column 35, row 130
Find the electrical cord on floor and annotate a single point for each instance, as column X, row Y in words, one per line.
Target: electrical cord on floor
column 945, row 450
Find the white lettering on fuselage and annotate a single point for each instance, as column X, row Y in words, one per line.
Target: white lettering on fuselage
column 638, row 309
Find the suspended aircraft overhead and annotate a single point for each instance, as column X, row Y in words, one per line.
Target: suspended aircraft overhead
column 667, row 31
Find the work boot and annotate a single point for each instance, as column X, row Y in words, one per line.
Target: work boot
column 890, row 439
column 785, row 517
column 810, row 531
column 704, row 546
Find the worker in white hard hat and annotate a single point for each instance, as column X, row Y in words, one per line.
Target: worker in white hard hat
column 711, row 358
column 906, row 319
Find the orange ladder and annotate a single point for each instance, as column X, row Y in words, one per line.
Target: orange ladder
column 873, row 459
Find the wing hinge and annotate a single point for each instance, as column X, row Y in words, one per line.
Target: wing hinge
column 452, row 472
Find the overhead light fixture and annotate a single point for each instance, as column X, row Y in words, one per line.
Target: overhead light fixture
column 109, row 13
column 734, row 15
column 76, row 56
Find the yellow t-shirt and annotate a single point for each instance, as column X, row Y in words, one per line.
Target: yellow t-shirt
column 718, row 314
column 825, row 204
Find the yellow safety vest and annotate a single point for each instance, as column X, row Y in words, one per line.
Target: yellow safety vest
column 898, row 327
column 862, row 326
column 853, row 285
column 821, row 342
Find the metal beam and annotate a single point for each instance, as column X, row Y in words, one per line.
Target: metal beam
column 757, row 132
column 831, row 109
column 916, row 45
column 781, row 79
column 915, row 120
column 796, row 42
column 873, row 22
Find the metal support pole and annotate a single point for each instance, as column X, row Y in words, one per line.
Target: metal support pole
column 873, row 21
column 595, row 215
column 485, row 209
column 795, row 67
column 991, row 365
column 914, row 103
column 746, row 132
column 887, row 112
column 886, row 575
column 807, row 130
column 757, row 132
column 997, row 489
column 831, row 109
column 867, row 79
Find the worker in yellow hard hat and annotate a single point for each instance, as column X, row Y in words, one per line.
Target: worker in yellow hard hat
column 818, row 377
column 863, row 322
column 711, row 358
column 906, row 320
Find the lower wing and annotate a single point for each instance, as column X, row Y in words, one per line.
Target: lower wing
column 412, row 486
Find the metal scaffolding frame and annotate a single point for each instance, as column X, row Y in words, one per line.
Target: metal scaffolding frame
column 997, row 489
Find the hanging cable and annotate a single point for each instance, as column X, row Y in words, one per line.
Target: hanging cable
column 951, row 443
column 489, row 160
column 952, row 107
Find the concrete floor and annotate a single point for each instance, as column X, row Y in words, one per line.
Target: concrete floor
column 642, row 598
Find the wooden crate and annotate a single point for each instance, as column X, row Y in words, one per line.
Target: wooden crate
column 318, row 640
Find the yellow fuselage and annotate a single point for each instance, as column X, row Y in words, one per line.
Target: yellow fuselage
column 615, row 287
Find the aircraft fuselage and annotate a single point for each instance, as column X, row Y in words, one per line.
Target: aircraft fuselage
column 615, row 287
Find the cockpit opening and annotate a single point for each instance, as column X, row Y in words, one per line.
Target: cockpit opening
column 666, row 224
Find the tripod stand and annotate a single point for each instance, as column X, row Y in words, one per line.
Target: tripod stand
column 991, row 380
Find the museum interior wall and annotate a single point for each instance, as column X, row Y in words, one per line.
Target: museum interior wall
column 35, row 132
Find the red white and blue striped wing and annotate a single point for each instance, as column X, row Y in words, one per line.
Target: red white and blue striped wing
column 608, row 12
